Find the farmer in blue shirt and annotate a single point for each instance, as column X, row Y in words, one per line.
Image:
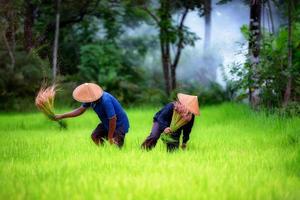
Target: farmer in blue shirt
column 114, row 122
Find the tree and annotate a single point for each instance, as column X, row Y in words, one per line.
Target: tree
column 278, row 68
column 9, row 24
column 29, row 18
column 171, row 34
column 254, row 49
column 56, row 37
column 207, row 19
column 287, row 93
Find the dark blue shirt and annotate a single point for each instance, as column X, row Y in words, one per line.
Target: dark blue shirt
column 106, row 108
column 164, row 118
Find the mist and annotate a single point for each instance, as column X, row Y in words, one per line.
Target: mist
column 204, row 65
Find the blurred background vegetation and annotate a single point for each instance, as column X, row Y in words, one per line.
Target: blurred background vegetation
column 71, row 42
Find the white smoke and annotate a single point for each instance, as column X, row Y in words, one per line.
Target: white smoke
column 204, row 65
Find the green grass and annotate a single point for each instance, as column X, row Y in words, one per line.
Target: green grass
column 233, row 153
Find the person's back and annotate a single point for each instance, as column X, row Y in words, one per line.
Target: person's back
column 107, row 107
column 114, row 122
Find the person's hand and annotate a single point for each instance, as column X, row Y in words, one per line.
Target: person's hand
column 183, row 146
column 167, row 130
column 58, row 117
column 112, row 141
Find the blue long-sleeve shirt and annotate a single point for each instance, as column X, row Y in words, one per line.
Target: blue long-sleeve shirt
column 107, row 107
column 164, row 118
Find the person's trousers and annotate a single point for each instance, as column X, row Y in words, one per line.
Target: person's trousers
column 152, row 139
column 100, row 134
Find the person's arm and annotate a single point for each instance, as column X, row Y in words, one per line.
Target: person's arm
column 165, row 117
column 186, row 132
column 112, row 128
column 111, row 114
column 73, row 113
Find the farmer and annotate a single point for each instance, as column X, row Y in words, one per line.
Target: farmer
column 114, row 122
column 186, row 106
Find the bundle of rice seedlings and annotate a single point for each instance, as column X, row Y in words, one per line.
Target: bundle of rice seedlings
column 179, row 119
column 44, row 101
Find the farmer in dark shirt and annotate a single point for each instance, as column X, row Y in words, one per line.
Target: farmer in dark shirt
column 188, row 106
column 114, row 122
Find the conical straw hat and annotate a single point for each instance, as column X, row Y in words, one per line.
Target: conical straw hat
column 190, row 102
column 87, row 92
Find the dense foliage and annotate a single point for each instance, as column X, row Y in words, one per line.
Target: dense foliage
column 98, row 43
column 93, row 47
column 272, row 71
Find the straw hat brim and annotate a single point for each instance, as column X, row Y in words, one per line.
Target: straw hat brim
column 87, row 92
column 190, row 102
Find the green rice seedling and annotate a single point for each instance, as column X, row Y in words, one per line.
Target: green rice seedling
column 178, row 120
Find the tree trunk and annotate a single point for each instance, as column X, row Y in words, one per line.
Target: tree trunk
column 165, row 43
column 168, row 61
column 55, row 45
column 9, row 35
column 173, row 78
column 254, row 49
column 165, row 64
column 287, row 93
column 174, row 64
column 9, row 50
column 28, row 24
column 207, row 19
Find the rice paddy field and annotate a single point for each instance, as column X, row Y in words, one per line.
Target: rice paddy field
column 233, row 153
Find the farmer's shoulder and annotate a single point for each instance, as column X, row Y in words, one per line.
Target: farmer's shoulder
column 169, row 105
column 166, row 108
column 106, row 97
